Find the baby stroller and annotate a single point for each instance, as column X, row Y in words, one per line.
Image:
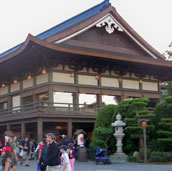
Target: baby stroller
column 102, row 156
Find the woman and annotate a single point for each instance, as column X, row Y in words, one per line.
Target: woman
column 71, row 156
column 6, row 158
column 43, row 155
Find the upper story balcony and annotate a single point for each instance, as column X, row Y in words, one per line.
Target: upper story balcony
column 47, row 109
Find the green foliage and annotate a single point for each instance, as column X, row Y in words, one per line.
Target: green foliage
column 132, row 110
column 104, row 117
column 163, row 123
column 165, row 140
column 130, row 121
column 149, row 116
column 163, row 133
column 103, row 130
column 135, row 129
column 161, row 156
column 132, row 159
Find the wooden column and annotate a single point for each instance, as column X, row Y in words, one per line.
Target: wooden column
column 23, row 129
column 39, row 129
column 69, row 128
column 50, row 91
column 8, row 127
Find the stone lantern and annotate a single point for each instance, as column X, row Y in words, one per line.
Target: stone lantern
column 119, row 156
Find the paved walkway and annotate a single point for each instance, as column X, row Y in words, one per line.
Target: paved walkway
column 91, row 166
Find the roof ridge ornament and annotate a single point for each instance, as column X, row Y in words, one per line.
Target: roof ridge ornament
column 110, row 24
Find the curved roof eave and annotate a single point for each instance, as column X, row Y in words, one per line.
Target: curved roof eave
column 84, row 52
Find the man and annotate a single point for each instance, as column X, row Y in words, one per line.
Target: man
column 53, row 154
column 26, row 151
column 13, row 151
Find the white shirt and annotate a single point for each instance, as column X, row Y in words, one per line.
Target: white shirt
column 64, row 160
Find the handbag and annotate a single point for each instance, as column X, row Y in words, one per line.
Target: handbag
column 21, row 153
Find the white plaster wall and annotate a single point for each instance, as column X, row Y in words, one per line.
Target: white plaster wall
column 150, row 86
column 15, row 87
column 113, row 74
column 27, row 83
column 87, row 80
column 67, row 68
column 16, row 102
column 3, row 90
column 83, row 70
column 133, row 76
column 62, row 78
column 106, row 73
column 60, row 67
column 109, row 82
column 132, row 84
column 40, row 79
column 152, row 78
column 127, row 75
column 146, row 77
column 91, row 71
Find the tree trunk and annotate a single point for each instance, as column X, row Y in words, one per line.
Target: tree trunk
column 107, row 139
column 141, row 141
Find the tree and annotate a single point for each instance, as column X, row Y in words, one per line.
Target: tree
column 132, row 110
column 103, row 131
column 163, row 121
column 167, row 86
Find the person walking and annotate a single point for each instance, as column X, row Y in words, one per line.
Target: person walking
column 13, row 151
column 6, row 158
column 65, row 163
column 42, row 157
column 53, row 154
column 71, row 156
column 26, row 150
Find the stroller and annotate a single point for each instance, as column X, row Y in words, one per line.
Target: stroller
column 102, row 156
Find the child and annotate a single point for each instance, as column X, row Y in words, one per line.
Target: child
column 65, row 164
column 6, row 158
column 71, row 156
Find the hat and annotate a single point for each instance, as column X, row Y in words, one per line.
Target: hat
column 63, row 147
column 6, row 148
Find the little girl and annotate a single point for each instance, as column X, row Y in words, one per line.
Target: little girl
column 71, row 156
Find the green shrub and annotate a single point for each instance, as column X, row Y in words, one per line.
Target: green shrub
column 132, row 159
column 161, row 156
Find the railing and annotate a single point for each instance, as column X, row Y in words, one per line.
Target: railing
column 52, row 108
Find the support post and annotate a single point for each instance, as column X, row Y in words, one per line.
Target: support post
column 69, row 128
column 8, row 127
column 39, row 129
column 145, row 145
column 23, row 129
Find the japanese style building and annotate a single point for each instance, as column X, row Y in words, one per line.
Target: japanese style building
column 58, row 80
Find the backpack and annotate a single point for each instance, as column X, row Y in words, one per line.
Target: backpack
column 44, row 153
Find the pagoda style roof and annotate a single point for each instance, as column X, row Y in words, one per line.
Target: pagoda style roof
column 102, row 17
column 64, row 25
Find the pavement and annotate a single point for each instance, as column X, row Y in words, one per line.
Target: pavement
column 91, row 166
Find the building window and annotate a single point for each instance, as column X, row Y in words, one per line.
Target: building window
column 41, row 97
column 3, row 105
column 88, row 100
column 16, row 103
column 63, row 99
column 106, row 100
column 27, row 100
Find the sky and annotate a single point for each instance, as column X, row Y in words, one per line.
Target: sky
column 151, row 19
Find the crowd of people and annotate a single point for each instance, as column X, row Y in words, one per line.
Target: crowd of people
column 52, row 154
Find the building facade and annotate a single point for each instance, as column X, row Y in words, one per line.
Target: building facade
column 58, row 80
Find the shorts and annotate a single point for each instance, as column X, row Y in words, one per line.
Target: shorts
column 25, row 155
